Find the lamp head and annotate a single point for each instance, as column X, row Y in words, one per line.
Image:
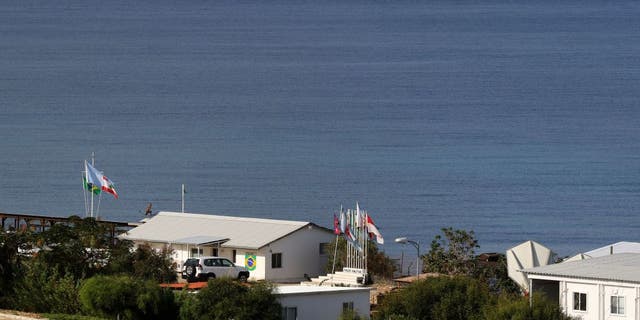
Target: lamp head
column 401, row 240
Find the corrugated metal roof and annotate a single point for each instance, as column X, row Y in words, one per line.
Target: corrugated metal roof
column 249, row 233
column 618, row 247
column 617, row 267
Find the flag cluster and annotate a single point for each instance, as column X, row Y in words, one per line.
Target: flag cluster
column 96, row 182
column 354, row 225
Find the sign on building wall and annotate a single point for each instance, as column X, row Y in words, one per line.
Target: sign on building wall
column 250, row 261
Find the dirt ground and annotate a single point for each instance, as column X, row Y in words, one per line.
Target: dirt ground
column 16, row 315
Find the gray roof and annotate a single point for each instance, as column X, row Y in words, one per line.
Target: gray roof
column 617, row 267
column 249, row 233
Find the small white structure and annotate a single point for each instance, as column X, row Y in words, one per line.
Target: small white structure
column 606, row 287
column 528, row 254
column 321, row 302
column 618, row 247
column 276, row 250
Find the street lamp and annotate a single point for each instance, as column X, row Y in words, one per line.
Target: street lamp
column 404, row 240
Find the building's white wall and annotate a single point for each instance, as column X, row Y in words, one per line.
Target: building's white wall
column 629, row 294
column 300, row 255
column 258, row 272
column 593, row 300
column 325, row 306
column 599, row 295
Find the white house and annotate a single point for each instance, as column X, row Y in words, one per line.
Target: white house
column 276, row 250
column 606, row 287
column 322, row 302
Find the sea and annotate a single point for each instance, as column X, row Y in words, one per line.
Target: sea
column 517, row 120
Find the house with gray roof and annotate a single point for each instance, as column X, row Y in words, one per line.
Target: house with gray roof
column 605, row 287
column 276, row 250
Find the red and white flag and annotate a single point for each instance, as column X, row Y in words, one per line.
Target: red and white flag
column 373, row 229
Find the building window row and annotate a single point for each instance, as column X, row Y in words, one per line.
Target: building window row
column 617, row 303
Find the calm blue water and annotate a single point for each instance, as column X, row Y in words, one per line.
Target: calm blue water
column 517, row 120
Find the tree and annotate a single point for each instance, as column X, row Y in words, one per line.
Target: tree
column 496, row 275
column 81, row 247
column 225, row 298
column 42, row 290
column 126, row 298
column 453, row 255
column 440, row 298
column 148, row 263
column 11, row 243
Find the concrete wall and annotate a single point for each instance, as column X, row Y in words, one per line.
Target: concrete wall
column 323, row 306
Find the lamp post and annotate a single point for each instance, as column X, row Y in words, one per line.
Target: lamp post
column 404, row 240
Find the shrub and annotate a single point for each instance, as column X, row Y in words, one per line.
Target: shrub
column 124, row 297
column 153, row 265
column 225, row 298
column 511, row 307
column 437, row 298
column 41, row 291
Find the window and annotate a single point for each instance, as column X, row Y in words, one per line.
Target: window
column 347, row 306
column 276, row 260
column 226, row 263
column 233, row 255
column 196, row 252
column 323, row 248
column 617, row 305
column 289, row 313
column 579, row 301
column 214, row 252
column 209, row 262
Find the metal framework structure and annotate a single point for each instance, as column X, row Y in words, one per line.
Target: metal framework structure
column 22, row 222
column 357, row 241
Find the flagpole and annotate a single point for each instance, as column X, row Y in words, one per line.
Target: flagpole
column 93, row 163
column 365, row 238
column 182, row 191
column 98, row 208
column 84, row 191
column 335, row 256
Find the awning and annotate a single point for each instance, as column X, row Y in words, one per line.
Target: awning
column 201, row 240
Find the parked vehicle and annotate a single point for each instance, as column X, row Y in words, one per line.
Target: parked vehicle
column 203, row 268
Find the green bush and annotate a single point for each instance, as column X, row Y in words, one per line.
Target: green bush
column 349, row 315
column 41, row 291
column 517, row 308
column 147, row 263
column 11, row 270
column 127, row 298
column 437, row 298
column 225, row 298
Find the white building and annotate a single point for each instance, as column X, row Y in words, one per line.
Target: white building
column 276, row 250
column 618, row 247
column 606, row 287
column 321, row 302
